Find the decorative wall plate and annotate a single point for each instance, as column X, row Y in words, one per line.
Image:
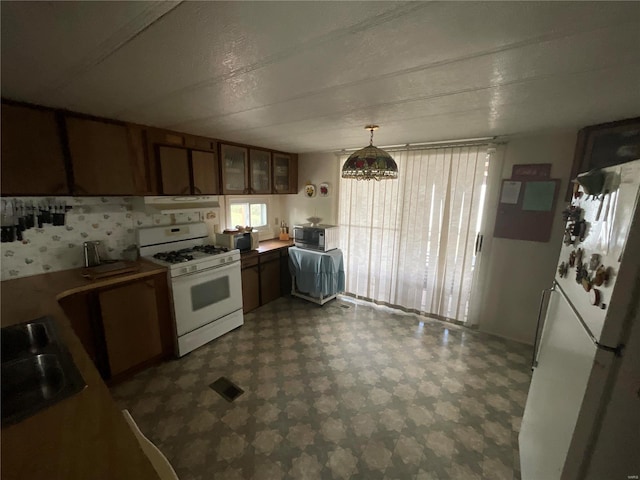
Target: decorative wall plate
column 310, row 190
column 324, row 189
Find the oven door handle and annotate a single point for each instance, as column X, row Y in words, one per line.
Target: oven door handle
column 210, row 272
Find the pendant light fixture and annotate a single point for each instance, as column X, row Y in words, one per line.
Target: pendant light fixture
column 370, row 163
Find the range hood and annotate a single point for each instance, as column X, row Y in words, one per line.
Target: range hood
column 191, row 203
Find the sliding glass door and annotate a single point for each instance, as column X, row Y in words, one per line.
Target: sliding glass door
column 411, row 242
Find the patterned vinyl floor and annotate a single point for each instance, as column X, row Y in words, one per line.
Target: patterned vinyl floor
column 330, row 392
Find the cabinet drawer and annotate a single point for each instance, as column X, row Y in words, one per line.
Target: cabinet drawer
column 249, row 261
column 269, row 256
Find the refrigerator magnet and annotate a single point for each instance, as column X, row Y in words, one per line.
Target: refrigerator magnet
column 594, row 297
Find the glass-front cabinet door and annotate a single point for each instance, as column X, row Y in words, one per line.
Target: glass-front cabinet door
column 282, row 174
column 259, row 171
column 235, row 162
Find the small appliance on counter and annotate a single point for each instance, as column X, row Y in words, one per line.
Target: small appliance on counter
column 94, row 253
column 243, row 241
column 317, row 237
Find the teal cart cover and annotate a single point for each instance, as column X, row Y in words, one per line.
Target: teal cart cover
column 317, row 273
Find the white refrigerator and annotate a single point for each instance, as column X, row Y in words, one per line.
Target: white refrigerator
column 582, row 415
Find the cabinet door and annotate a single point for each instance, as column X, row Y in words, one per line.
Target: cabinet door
column 259, row 171
column 80, row 309
column 32, row 158
column 131, row 327
column 234, row 164
column 285, row 173
column 205, row 172
column 104, row 158
column 174, row 170
column 250, row 288
column 285, row 275
column 269, row 280
column 200, row 143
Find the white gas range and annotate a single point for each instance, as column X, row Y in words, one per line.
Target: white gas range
column 205, row 281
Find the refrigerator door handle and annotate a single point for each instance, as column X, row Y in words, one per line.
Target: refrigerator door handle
column 615, row 350
column 536, row 341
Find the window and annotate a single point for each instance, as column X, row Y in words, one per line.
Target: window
column 411, row 242
column 252, row 213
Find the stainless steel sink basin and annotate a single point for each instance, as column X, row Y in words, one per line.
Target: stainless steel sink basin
column 30, row 381
column 37, row 370
column 23, row 339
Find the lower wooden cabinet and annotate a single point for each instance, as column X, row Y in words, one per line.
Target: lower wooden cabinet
column 123, row 328
column 250, row 286
column 131, row 330
column 285, row 274
column 79, row 310
column 265, row 277
column 269, row 276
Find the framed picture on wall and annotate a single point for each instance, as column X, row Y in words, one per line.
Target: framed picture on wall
column 605, row 145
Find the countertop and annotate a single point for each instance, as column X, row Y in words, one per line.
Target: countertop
column 273, row 244
column 84, row 436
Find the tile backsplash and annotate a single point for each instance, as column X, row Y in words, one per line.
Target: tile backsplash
column 112, row 220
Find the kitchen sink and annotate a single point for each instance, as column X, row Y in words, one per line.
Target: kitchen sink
column 37, row 370
column 22, row 339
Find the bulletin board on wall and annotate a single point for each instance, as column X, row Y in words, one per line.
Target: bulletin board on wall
column 527, row 204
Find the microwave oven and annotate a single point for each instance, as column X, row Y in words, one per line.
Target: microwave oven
column 317, row 237
column 241, row 241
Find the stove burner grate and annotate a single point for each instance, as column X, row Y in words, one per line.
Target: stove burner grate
column 210, row 249
column 174, row 256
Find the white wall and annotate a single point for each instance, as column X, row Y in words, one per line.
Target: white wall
column 514, row 272
column 315, row 168
column 112, row 220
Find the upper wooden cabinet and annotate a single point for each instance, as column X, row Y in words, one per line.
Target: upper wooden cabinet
column 245, row 171
column 205, row 173
column 259, row 171
column 255, row 171
column 234, row 165
column 174, row 170
column 107, row 158
column 186, row 164
column 54, row 152
column 32, row 155
column 185, row 171
column 285, row 173
column 157, row 136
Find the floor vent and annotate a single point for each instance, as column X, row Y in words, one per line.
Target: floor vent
column 227, row 389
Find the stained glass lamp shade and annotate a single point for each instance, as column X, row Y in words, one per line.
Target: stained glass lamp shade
column 370, row 163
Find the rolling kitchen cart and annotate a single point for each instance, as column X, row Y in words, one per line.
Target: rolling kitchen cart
column 316, row 276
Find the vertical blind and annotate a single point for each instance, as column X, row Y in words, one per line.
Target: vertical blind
column 410, row 242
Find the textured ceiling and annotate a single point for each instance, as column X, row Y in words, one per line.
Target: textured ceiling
column 307, row 76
